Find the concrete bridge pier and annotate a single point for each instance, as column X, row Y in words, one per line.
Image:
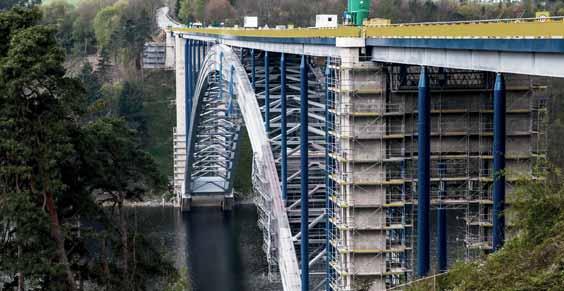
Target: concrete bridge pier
column 186, row 204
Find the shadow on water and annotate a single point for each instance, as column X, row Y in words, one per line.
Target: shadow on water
column 214, row 259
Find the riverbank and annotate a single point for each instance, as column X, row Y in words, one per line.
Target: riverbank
column 164, row 203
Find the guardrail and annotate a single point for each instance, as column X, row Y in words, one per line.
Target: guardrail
column 552, row 27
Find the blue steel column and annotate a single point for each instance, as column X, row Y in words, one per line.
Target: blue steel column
column 283, row 133
column 188, row 98
column 253, row 70
column 266, row 94
column 200, row 46
column 423, row 161
column 231, row 91
column 499, row 163
column 221, row 76
column 327, row 171
column 441, row 225
column 194, row 75
column 304, row 248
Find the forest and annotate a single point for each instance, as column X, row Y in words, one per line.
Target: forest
column 84, row 131
column 75, row 147
column 302, row 13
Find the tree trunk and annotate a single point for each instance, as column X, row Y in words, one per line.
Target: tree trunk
column 124, row 244
column 59, row 238
column 21, row 280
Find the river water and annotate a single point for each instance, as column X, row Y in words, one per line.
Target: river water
column 223, row 251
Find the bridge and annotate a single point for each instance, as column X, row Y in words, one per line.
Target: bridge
column 358, row 134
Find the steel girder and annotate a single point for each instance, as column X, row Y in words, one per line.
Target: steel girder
column 266, row 70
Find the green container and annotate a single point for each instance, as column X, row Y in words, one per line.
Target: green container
column 359, row 10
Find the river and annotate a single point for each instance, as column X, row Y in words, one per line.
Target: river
column 223, row 252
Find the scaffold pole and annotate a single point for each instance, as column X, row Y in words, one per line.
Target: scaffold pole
column 283, row 132
column 304, row 175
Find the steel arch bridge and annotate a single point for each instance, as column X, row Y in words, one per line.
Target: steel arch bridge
column 338, row 121
column 224, row 101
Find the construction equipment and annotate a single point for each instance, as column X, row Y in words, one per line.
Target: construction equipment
column 357, row 12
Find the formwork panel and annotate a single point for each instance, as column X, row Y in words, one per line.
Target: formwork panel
column 369, row 218
column 368, row 196
column 369, row 264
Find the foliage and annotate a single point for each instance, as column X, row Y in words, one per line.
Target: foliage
column 181, row 284
column 106, row 24
column 303, row 13
column 54, row 162
column 7, row 4
column 158, row 90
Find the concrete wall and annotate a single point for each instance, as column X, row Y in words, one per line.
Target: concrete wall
column 180, row 130
column 368, row 196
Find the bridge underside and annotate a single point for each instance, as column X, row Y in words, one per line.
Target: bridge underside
column 362, row 154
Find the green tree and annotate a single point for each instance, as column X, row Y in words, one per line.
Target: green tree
column 38, row 106
column 61, row 15
column 185, row 10
column 52, row 164
column 7, row 4
column 106, row 24
column 130, row 107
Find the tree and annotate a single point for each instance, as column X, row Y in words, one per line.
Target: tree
column 106, row 23
column 61, row 15
column 130, row 107
column 185, row 10
column 219, row 11
column 7, row 4
column 38, row 107
column 52, row 164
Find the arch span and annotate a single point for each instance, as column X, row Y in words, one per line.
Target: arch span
column 223, row 83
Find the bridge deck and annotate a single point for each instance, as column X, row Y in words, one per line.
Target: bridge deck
column 497, row 29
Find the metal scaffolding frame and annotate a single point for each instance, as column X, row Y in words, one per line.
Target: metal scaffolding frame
column 361, row 156
column 265, row 69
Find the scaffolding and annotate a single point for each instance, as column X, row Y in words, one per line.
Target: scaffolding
column 370, row 222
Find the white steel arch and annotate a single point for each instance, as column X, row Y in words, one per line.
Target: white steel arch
column 221, row 59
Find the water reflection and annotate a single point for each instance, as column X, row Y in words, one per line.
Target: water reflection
column 221, row 251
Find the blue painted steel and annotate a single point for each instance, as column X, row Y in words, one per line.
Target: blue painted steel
column 304, row 179
column 499, row 163
column 231, row 93
column 281, row 40
column 221, row 76
column 200, row 46
column 194, row 75
column 507, row 45
column 266, row 94
column 188, row 81
column 253, row 70
column 283, row 130
column 327, row 173
column 423, row 167
column 188, row 101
